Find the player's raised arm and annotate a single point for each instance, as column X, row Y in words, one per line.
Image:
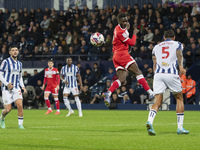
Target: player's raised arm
column 132, row 41
column 179, row 55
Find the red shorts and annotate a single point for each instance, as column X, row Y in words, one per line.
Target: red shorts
column 52, row 90
column 122, row 60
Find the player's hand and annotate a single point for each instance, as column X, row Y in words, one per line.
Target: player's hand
column 58, row 87
column 66, row 82
column 42, row 87
column 81, row 87
column 23, row 88
column 135, row 31
column 10, row 86
column 128, row 26
column 182, row 70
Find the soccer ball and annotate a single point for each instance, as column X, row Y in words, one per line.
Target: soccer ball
column 97, row 39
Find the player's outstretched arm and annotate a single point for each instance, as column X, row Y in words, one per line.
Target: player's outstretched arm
column 179, row 55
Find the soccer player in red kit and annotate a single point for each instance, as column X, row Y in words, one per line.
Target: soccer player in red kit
column 52, row 78
column 122, row 60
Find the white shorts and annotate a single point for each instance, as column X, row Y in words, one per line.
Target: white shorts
column 163, row 81
column 74, row 91
column 9, row 96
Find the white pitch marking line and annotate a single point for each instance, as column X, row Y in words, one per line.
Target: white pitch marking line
column 119, row 125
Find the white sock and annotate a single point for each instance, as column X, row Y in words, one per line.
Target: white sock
column 152, row 115
column 2, row 116
column 78, row 104
column 49, row 108
column 20, row 120
column 67, row 104
column 109, row 93
column 150, row 92
column 180, row 118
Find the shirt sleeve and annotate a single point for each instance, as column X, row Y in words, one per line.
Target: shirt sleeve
column 21, row 82
column 3, row 66
column 123, row 36
column 45, row 73
column 153, row 51
column 77, row 70
column 62, row 71
column 180, row 46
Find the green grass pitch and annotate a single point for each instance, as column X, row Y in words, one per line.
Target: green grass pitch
column 99, row 130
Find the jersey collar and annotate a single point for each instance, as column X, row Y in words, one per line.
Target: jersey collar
column 168, row 40
column 14, row 61
column 51, row 68
column 121, row 27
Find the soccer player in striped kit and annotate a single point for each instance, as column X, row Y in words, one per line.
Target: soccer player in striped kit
column 69, row 75
column 11, row 78
column 166, row 56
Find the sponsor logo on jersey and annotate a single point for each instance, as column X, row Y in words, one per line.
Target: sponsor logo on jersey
column 165, row 64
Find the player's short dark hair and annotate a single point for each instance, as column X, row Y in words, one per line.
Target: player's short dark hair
column 51, row 60
column 121, row 15
column 69, row 58
column 169, row 34
column 12, row 47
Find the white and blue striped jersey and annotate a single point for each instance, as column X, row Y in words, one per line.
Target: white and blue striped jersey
column 166, row 59
column 69, row 74
column 12, row 73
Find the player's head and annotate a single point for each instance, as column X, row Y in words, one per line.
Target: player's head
column 122, row 19
column 69, row 61
column 13, row 51
column 50, row 63
column 169, row 34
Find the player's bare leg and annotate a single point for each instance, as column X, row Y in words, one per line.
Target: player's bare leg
column 152, row 113
column 180, row 113
column 67, row 104
column 5, row 111
column 19, row 104
column 57, row 104
column 133, row 68
column 78, row 104
column 116, row 84
column 46, row 98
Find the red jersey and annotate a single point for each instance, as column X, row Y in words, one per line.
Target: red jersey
column 119, row 38
column 51, row 77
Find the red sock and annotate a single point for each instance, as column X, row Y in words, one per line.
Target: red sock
column 48, row 103
column 114, row 86
column 57, row 104
column 142, row 81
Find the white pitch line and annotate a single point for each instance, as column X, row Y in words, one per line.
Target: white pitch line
column 118, row 125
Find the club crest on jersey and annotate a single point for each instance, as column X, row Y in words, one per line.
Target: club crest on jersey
column 125, row 35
